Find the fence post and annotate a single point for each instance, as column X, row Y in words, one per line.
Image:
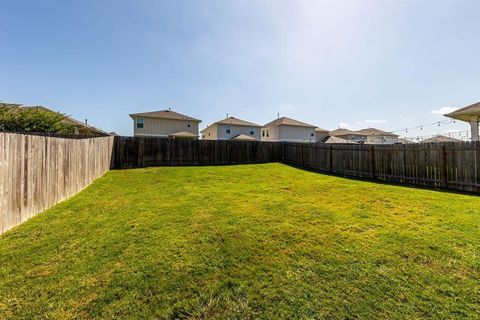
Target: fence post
column 443, row 166
column 330, row 159
column 372, row 161
column 301, row 154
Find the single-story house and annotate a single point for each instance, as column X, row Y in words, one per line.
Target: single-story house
column 369, row 136
column 287, row 129
column 232, row 128
column 377, row 136
column 333, row 139
column 77, row 127
column 470, row 114
column 165, row 124
column 405, row 141
column 349, row 135
column 439, row 139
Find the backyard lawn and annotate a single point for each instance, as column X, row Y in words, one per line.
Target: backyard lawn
column 237, row 242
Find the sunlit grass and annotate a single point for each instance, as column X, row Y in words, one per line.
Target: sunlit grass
column 258, row 241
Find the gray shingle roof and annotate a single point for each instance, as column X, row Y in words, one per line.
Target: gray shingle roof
column 288, row 122
column 164, row 114
column 375, row 132
column 333, row 139
column 244, row 137
column 236, row 121
column 344, row 132
column 440, row 138
column 364, row 132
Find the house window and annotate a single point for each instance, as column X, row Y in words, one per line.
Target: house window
column 252, row 132
column 140, row 123
column 263, row 133
column 228, row 130
column 312, row 134
column 209, row 134
column 189, row 124
column 267, row 134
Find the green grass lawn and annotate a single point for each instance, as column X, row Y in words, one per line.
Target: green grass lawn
column 258, row 241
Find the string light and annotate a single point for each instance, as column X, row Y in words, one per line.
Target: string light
column 460, row 135
column 437, row 123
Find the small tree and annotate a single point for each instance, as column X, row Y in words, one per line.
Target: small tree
column 32, row 120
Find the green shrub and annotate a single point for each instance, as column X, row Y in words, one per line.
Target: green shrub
column 32, row 120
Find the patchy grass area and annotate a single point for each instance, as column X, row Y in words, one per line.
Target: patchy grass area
column 258, row 241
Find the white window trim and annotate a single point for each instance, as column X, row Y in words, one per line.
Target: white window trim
column 138, row 121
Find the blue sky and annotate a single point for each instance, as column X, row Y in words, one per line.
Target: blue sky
column 388, row 64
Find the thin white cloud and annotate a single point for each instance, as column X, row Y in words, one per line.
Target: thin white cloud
column 443, row 110
column 286, row 109
column 343, row 125
column 376, row 121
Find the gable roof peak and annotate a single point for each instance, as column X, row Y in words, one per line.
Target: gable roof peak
column 164, row 114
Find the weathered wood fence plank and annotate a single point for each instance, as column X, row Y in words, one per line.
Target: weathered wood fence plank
column 453, row 166
column 137, row 152
column 37, row 172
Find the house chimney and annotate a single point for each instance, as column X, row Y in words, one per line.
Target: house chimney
column 227, row 115
column 278, row 115
column 86, row 121
column 169, row 109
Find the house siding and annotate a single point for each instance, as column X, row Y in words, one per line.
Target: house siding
column 273, row 133
column 219, row 131
column 235, row 130
column 294, row 133
column 321, row 135
column 156, row 127
column 210, row 133
column 289, row 133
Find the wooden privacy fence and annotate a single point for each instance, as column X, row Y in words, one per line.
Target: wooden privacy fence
column 143, row 152
column 37, row 172
column 453, row 166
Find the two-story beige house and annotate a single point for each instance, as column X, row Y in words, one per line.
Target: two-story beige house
column 232, row 128
column 165, row 124
column 287, row 129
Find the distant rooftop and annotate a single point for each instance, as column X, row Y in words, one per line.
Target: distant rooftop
column 376, row 132
column 236, row 121
column 244, row 137
column 364, row 132
column 164, row 114
column 333, row 139
column 440, row 138
column 289, row 122
column 405, row 141
column 344, row 132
